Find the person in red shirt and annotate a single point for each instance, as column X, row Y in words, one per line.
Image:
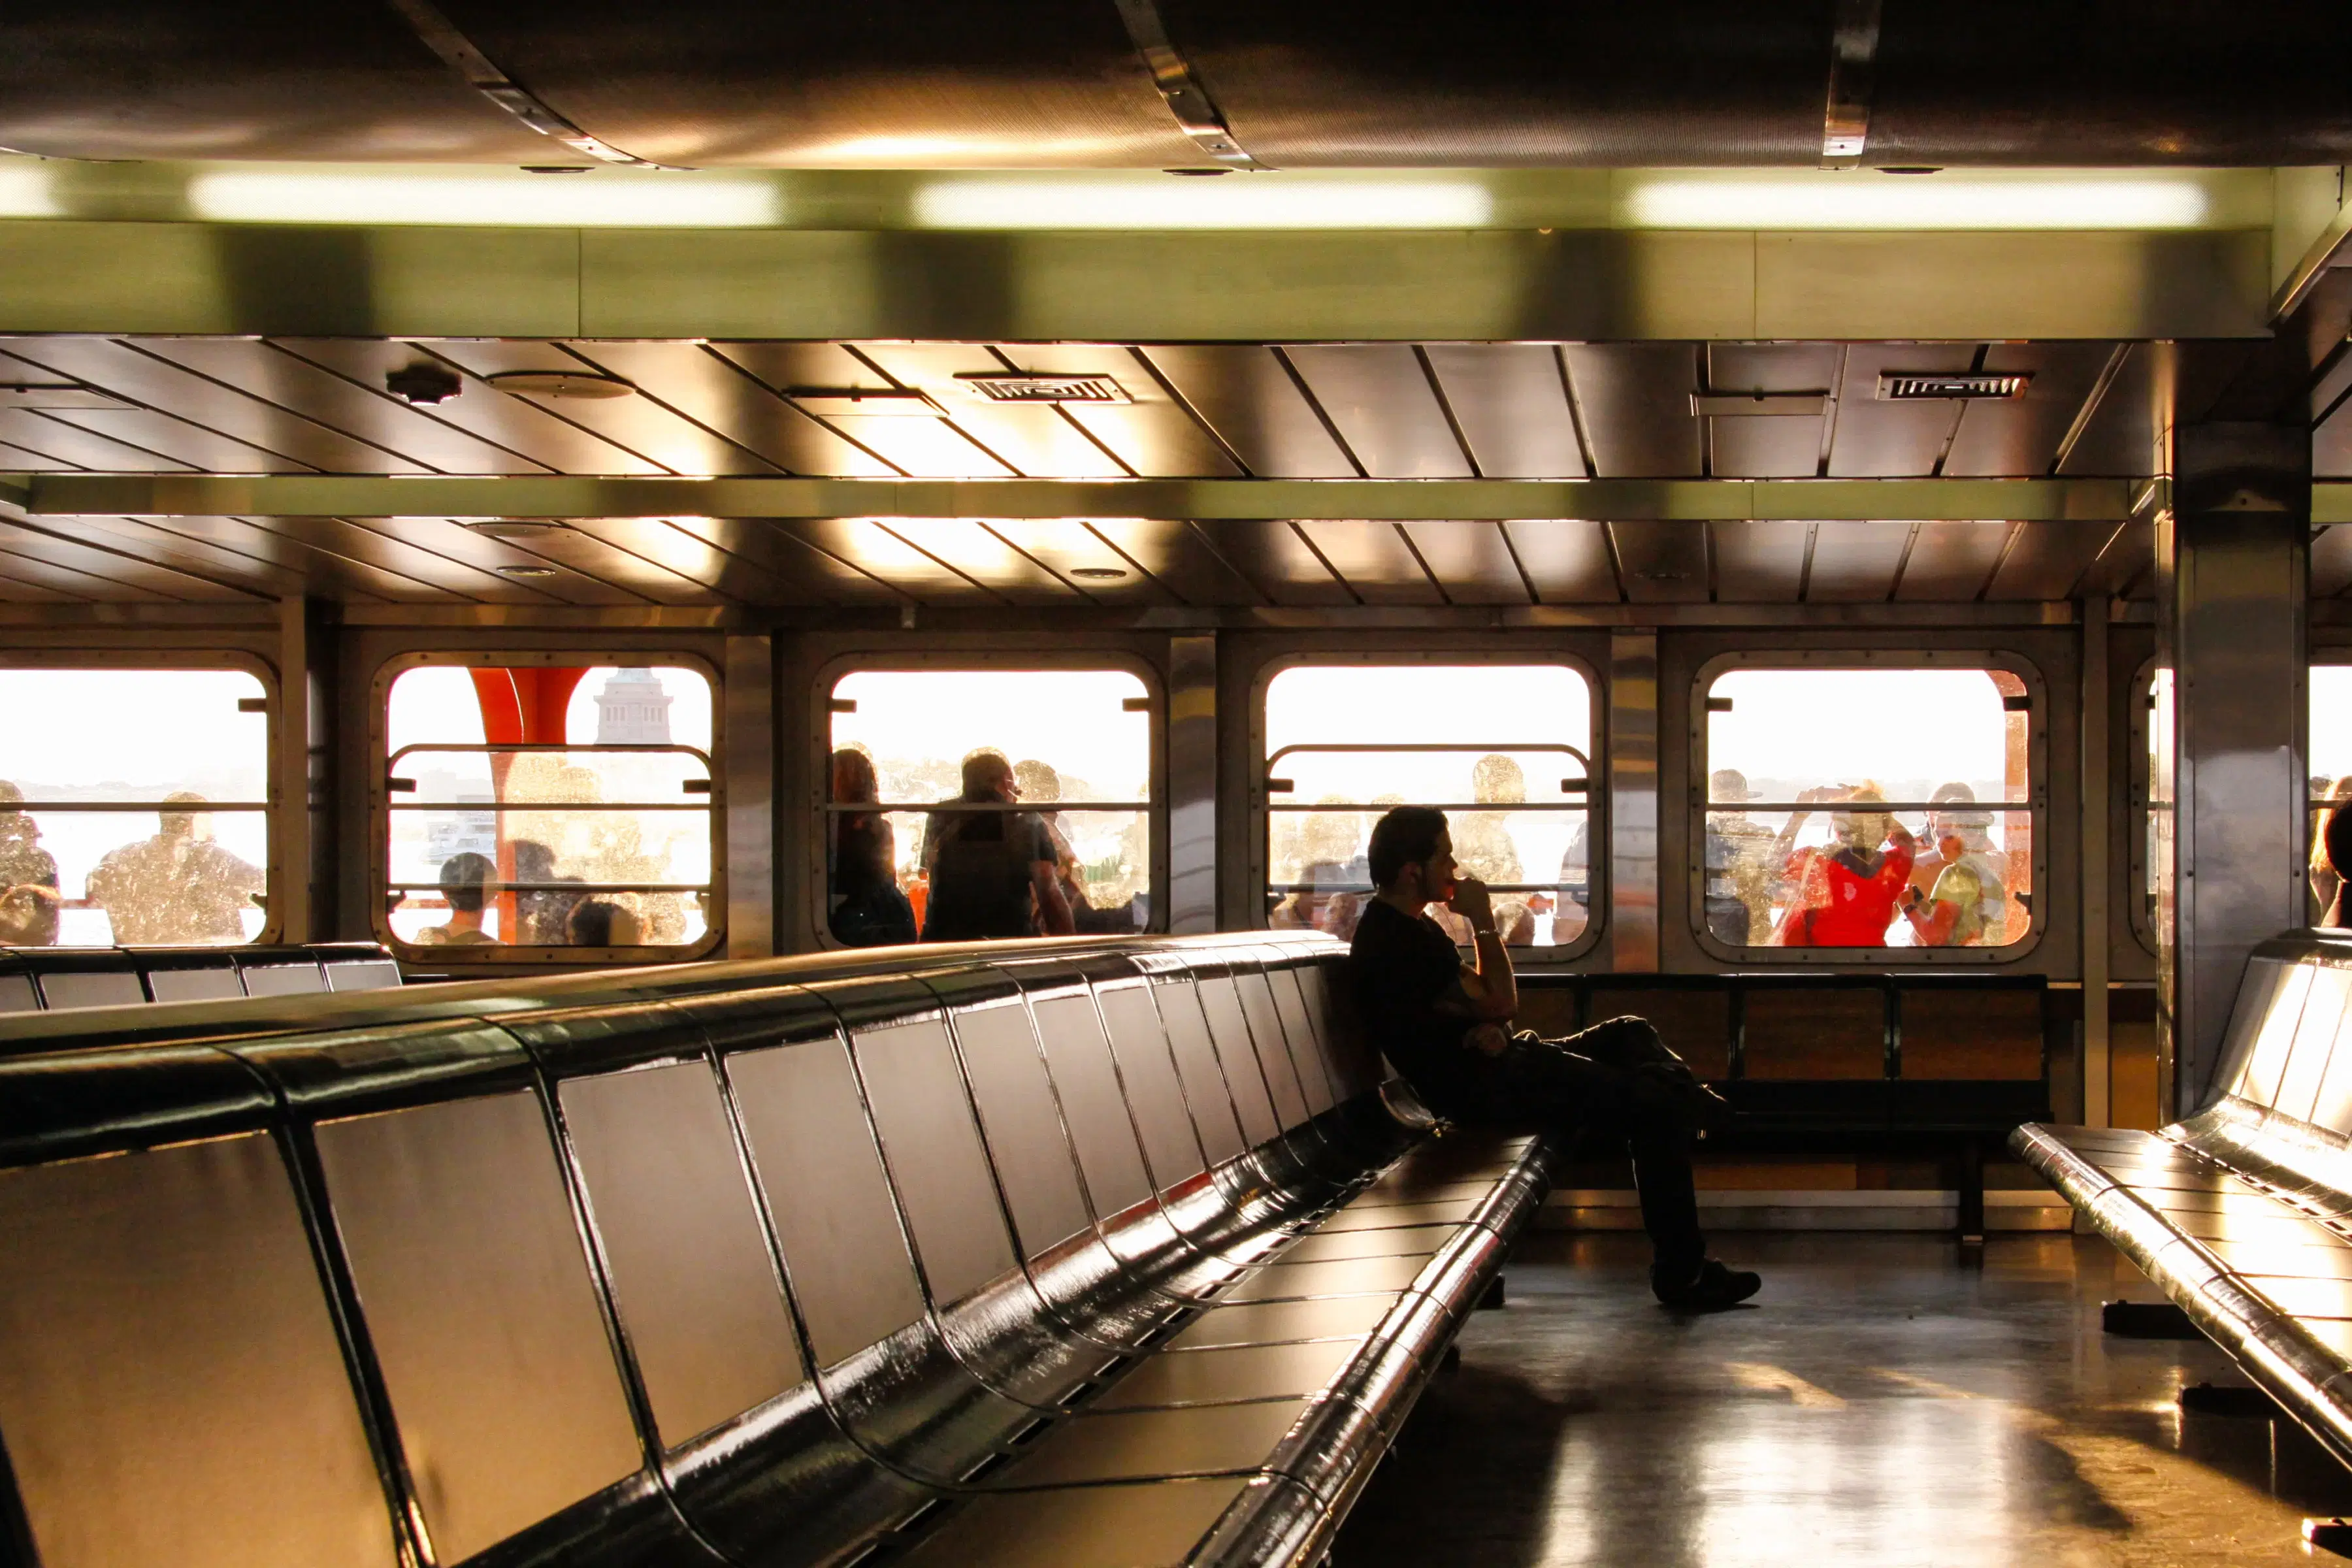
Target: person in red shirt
column 1844, row 894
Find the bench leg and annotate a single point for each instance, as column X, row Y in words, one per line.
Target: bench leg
column 2146, row 1320
column 1972, row 1215
column 1493, row 1298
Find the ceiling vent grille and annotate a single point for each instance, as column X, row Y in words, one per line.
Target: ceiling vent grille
column 1908, row 387
column 1013, row 387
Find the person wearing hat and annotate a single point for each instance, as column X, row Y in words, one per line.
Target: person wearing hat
column 1957, row 898
column 1846, row 895
column 29, row 898
column 1738, row 899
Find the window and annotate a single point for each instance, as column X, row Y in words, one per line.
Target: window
column 1503, row 749
column 91, row 861
column 549, row 806
column 2331, row 770
column 973, row 804
column 1864, row 807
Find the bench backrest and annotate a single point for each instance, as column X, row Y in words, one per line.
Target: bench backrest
column 2281, row 1053
column 43, row 979
column 268, row 1299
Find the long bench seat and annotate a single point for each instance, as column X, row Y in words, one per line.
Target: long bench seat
column 33, row 979
column 1116, row 1253
column 2243, row 1213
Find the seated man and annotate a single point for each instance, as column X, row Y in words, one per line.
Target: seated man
column 1445, row 1026
column 465, row 884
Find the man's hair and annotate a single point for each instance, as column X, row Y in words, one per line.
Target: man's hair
column 1405, row 836
column 2338, row 840
column 179, row 824
column 462, row 880
column 981, row 772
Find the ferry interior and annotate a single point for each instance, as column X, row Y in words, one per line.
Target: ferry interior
column 693, row 702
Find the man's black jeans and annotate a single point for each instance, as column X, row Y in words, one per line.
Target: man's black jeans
column 1590, row 1083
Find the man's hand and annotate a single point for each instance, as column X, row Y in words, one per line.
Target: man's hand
column 1488, row 1040
column 1472, row 902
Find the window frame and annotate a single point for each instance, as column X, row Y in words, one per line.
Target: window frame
column 379, row 804
column 979, row 661
column 2037, row 764
column 2327, row 646
column 273, row 869
column 2142, row 693
column 1596, row 797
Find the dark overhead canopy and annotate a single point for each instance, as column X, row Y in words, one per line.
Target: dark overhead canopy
column 1160, row 83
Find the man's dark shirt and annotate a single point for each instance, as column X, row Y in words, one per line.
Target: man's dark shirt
column 1399, row 965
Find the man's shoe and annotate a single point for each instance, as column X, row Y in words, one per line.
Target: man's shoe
column 1715, row 1289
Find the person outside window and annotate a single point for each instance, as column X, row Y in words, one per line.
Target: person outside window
column 29, row 898
column 864, row 906
column 993, row 873
column 1956, row 897
column 1846, row 895
column 2336, row 843
column 1324, row 904
column 1445, row 1025
column 2326, row 881
column 176, row 887
column 1040, row 783
column 601, row 922
column 464, row 886
column 1738, row 897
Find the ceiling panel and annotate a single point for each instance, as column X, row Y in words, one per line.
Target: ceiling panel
column 2125, row 567
column 17, row 590
column 1951, row 563
column 668, row 564
column 1253, row 405
column 515, row 423
column 1567, row 559
column 1374, row 560
column 1892, row 440
column 150, row 543
column 1154, row 435
column 2331, row 561
column 2120, row 438
column 1032, row 439
column 1767, row 446
column 2019, row 437
column 889, row 558
column 376, row 543
column 1664, row 563
column 26, row 562
column 1760, row 563
column 965, row 544
column 637, row 424
column 320, row 569
column 1471, row 560
column 124, row 371
column 927, row 447
column 1277, row 562
column 418, row 443
column 1511, row 401
column 2047, row 559
column 71, row 443
column 1855, row 562
column 1635, row 398
column 22, row 460
column 788, row 558
column 465, row 548
column 1065, row 545
column 1181, row 557
column 2331, row 444
column 713, row 391
column 68, row 563
column 1380, row 399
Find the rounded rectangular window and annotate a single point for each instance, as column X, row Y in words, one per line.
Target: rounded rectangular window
column 1504, row 750
column 971, row 805
column 144, row 814
column 1866, row 808
column 549, row 806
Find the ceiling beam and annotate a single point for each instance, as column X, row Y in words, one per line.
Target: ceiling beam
column 291, row 495
column 1454, row 285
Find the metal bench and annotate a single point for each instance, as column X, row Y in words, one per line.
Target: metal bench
column 2240, row 1213
column 1041, row 1253
column 40, row 979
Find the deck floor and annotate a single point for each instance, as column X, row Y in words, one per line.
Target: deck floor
column 1888, row 1400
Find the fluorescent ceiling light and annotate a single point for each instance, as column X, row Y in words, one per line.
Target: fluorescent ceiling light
column 26, row 191
column 1861, row 200
column 602, row 199
column 1246, row 201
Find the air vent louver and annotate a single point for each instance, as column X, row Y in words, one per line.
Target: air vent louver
column 1906, row 386
column 1012, row 386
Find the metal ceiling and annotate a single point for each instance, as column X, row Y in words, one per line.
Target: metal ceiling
column 1183, row 83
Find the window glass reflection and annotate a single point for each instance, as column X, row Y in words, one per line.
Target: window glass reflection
column 132, row 808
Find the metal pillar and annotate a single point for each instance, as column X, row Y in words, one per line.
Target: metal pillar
column 1633, row 739
column 2233, row 557
column 2096, row 828
column 291, row 895
column 1193, row 784
column 749, row 765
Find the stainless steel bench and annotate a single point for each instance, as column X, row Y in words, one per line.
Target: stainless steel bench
column 1040, row 1253
column 2243, row 1213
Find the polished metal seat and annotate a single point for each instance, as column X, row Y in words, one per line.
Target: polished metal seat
column 1048, row 1254
column 2243, row 1213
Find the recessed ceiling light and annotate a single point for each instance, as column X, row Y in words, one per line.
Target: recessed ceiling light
column 577, row 385
column 423, row 382
column 1098, row 574
column 525, row 571
column 515, row 527
column 55, row 395
column 1911, row 169
column 555, row 168
column 862, row 403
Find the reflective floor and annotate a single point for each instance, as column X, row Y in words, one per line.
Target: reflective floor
column 1888, row 1400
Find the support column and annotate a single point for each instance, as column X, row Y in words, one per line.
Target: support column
column 291, row 783
column 1193, row 784
column 2232, row 556
column 2097, row 829
column 1633, row 741
column 749, row 767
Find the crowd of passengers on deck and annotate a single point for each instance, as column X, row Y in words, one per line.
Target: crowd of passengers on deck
column 176, row 887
